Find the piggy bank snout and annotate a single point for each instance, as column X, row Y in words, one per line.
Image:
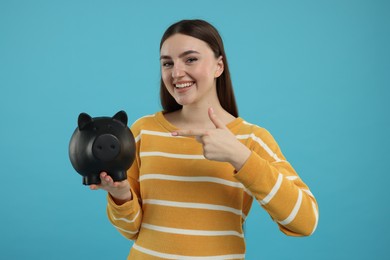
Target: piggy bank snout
column 106, row 147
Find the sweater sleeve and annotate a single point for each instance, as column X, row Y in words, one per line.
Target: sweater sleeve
column 126, row 218
column 276, row 186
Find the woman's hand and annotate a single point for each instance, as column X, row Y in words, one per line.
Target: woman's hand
column 119, row 191
column 219, row 144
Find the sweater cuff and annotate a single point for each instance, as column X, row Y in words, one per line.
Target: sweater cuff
column 126, row 208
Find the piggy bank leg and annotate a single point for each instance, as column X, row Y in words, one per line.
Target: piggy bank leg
column 118, row 175
column 91, row 179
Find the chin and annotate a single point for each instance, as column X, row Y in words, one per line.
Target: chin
column 184, row 101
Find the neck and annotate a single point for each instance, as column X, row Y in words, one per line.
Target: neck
column 198, row 115
column 195, row 115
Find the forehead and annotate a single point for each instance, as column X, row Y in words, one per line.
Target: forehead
column 179, row 43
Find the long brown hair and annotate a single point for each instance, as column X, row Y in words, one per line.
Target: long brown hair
column 204, row 31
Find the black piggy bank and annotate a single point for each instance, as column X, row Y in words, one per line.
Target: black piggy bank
column 102, row 144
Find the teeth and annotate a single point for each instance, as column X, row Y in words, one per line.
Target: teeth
column 184, row 85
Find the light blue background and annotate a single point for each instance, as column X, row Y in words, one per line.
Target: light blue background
column 314, row 73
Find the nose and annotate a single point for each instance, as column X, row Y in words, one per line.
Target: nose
column 177, row 71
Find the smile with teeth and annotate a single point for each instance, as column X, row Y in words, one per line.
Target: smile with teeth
column 184, row 85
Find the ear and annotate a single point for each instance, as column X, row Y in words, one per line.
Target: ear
column 84, row 120
column 121, row 116
column 220, row 67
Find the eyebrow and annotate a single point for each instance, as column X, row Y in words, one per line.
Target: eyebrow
column 180, row 56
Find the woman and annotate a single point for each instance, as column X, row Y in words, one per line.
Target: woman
column 199, row 166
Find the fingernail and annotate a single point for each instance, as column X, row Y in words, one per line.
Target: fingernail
column 174, row 134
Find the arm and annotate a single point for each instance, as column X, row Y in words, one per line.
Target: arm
column 262, row 169
column 126, row 216
column 276, row 186
column 124, row 210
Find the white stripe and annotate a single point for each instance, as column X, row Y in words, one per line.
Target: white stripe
column 316, row 215
column 292, row 178
column 308, row 192
column 172, row 155
column 273, row 191
column 294, row 212
column 262, row 144
column 244, row 136
column 125, row 219
column 137, row 138
column 194, row 179
column 191, row 179
column 126, row 231
column 192, row 232
column 156, row 133
column 314, row 209
column 172, row 256
column 192, row 205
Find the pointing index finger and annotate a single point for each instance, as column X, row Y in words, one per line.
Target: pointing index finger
column 189, row 132
column 216, row 121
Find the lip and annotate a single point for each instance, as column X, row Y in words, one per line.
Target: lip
column 184, row 88
column 183, row 84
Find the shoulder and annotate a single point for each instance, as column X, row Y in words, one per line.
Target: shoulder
column 259, row 138
column 146, row 121
column 253, row 129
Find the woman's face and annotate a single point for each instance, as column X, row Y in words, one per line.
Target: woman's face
column 189, row 69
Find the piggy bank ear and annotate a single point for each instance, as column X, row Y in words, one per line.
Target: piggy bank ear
column 121, row 116
column 84, row 120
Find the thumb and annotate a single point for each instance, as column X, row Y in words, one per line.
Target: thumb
column 216, row 121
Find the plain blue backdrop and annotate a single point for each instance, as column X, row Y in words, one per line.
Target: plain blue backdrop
column 314, row 73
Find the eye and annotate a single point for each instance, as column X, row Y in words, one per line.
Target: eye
column 191, row 60
column 167, row 64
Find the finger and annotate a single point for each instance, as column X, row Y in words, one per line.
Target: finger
column 103, row 176
column 216, row 121
column 94, row 187
column 190, row 132
column 105, row 179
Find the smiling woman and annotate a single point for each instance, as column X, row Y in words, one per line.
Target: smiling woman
column 189, row 69
column 199, row 166
column 207, row 34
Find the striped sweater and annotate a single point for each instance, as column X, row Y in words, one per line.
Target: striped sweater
column 185, row 206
